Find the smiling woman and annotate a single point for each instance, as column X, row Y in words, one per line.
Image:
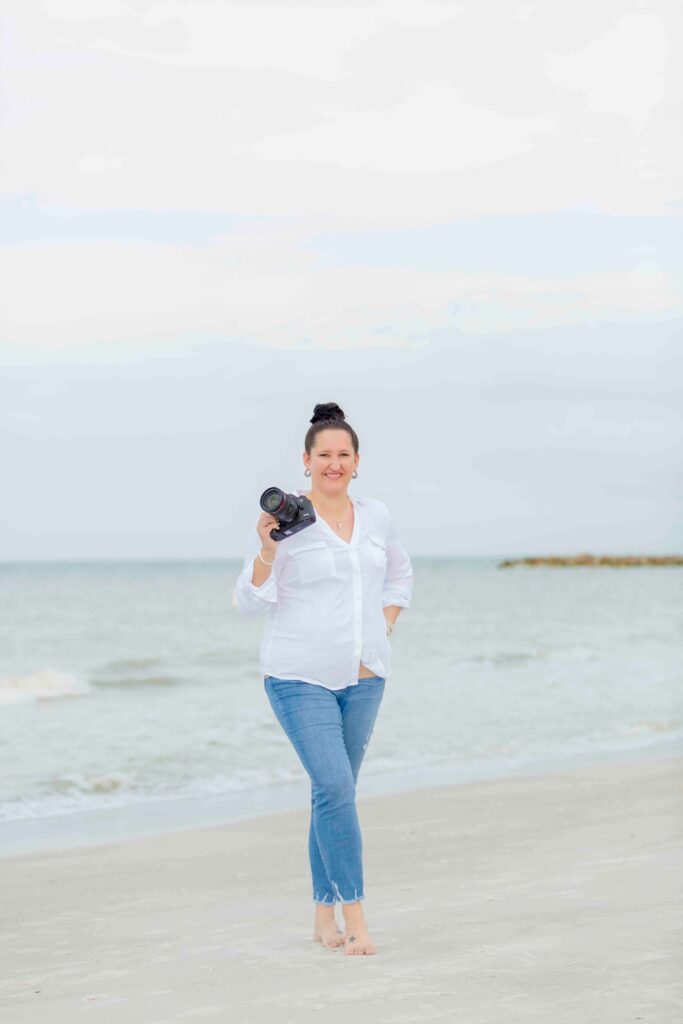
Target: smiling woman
column 338, row 635
column 331, row 593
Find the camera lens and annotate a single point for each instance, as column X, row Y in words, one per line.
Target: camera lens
column 272, row 499
column 284, row 507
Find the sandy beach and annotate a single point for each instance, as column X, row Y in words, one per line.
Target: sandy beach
column 540, row 898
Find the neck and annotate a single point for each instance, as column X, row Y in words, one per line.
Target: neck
column 336, row 505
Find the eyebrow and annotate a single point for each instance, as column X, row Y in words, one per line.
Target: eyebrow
column 323, row 450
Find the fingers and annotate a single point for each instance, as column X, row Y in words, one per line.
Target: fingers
column 265, row 524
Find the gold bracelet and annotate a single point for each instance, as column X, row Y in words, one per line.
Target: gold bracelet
column 264, row 561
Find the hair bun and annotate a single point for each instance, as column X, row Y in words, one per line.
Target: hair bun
column 327, row 411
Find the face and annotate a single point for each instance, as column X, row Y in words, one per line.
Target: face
column 332, row 462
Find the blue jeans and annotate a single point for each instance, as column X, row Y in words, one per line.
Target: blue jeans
column 330, row 731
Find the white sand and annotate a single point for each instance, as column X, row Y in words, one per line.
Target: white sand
column 549, row 898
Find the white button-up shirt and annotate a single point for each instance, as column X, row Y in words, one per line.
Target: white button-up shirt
column 325, row 598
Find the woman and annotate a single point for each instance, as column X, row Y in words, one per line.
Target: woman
column 332, row 593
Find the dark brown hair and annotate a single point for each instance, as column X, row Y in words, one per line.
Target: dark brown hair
column 325, row 416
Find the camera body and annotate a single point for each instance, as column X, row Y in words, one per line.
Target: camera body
column 293, row 512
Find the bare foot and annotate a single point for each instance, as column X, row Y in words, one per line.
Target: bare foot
column 326, row 929
column 356, row 938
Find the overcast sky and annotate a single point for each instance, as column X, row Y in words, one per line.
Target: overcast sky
column 460, row 221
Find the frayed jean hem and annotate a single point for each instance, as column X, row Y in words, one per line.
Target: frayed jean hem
column 331, row 900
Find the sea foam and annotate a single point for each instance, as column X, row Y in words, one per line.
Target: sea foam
column 41, row 685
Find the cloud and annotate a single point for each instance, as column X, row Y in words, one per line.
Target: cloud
column 475, row 423
column 362, row 115
column 258, row 283
column 620, row 72
column 584, row 419
column 249, row 36
column 432, row 129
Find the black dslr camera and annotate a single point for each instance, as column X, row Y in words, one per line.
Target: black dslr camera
column 293, row 512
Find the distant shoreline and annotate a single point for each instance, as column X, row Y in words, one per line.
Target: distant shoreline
column 230, row 561
column 585, row 559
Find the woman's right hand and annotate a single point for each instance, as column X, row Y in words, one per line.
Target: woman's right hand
column 265, row 524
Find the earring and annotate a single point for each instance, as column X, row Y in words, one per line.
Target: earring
column 355, row 474
column 307, row 472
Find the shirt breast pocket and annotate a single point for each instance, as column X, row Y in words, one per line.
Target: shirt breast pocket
column 378, row 550
column 314, row 562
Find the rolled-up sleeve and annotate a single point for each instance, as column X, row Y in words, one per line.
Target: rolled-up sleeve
column 399, row 578
column 250, row 599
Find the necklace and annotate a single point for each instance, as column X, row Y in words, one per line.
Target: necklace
column 337, row 524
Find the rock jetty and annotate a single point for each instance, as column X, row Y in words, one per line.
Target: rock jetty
column 585, row 559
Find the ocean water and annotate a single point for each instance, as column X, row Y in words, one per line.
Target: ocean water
column 134, row 686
